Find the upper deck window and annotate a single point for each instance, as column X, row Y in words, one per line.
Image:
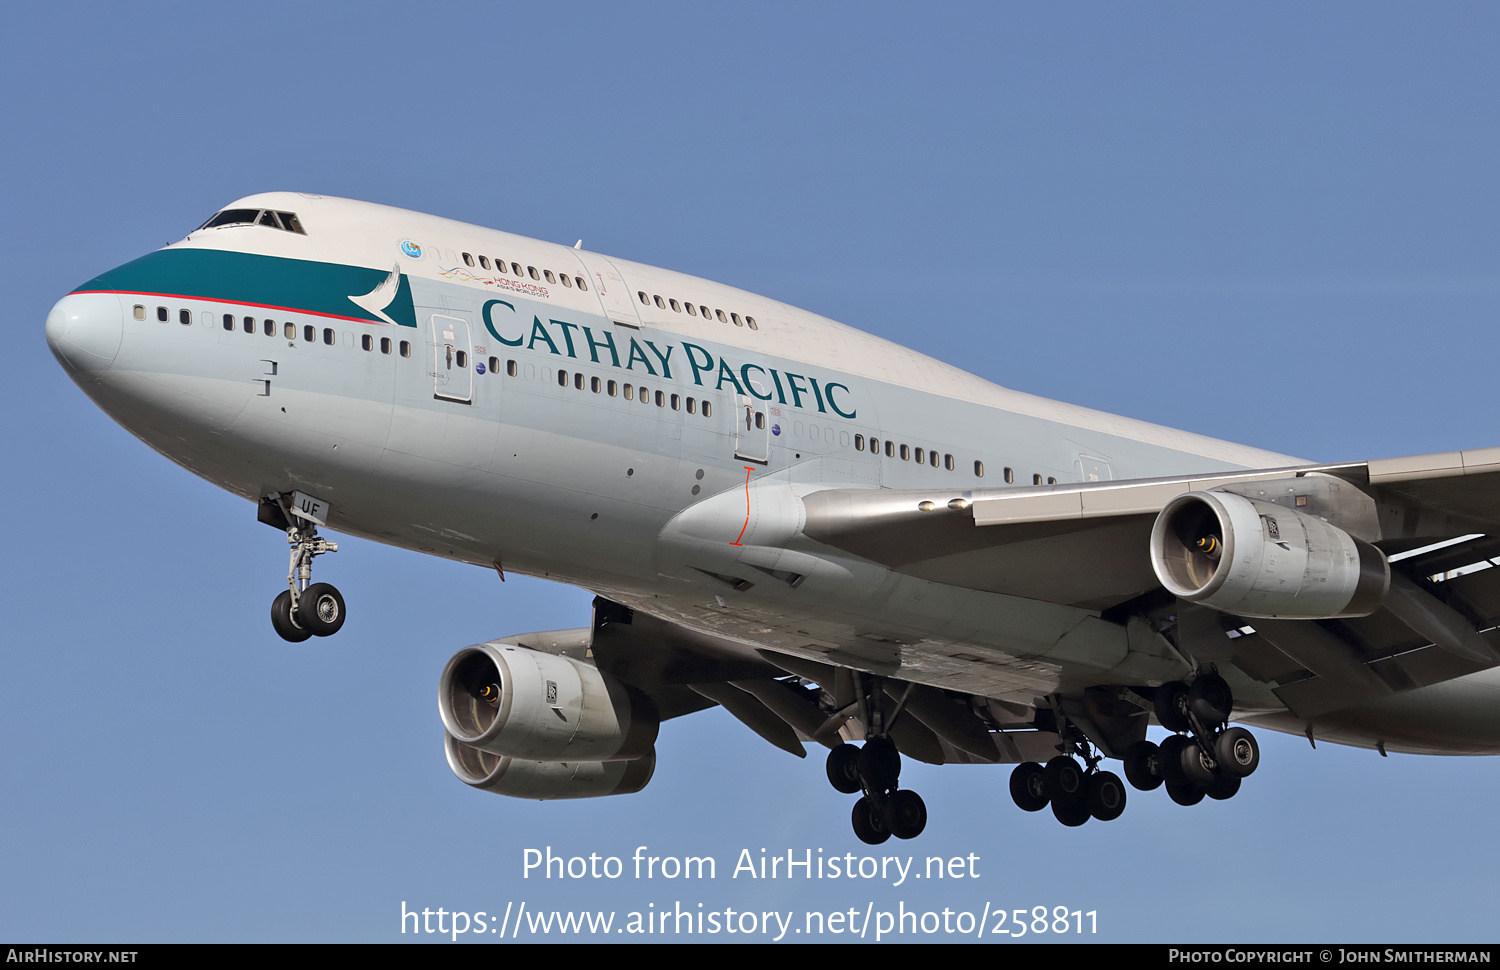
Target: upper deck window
column 285, row 221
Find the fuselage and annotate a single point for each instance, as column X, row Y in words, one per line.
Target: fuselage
column 641, row 433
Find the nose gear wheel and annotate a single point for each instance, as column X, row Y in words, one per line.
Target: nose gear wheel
column 305, row 609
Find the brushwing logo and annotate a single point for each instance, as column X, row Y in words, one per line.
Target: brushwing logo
column 390, row 300
column 411, row 249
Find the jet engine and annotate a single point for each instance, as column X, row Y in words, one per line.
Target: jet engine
column 1259, row 559
column 521, row 703
column 530, row 724
column 546, row 780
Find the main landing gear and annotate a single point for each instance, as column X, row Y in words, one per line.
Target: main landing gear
column 884, row 809
column 1203, row 758
column 306, row 609
column 1076, row 792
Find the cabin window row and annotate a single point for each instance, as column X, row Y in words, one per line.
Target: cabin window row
column 267, row 326
column 1010, row 475
column 923, row 456
column 694, row 310
column 517, row 270
column 628, row 391
column 928, row 456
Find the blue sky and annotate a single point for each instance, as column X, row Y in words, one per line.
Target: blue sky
column 1273, row 223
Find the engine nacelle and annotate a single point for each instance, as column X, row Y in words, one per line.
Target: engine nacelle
column 546, row 780
column 1259, row 559
column 520, row 703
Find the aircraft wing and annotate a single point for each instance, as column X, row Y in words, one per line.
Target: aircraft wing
column 683, row 671
column 1088, row 545
column 1085, row 544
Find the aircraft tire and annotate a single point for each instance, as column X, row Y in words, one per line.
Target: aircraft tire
column 321, row 610
column 905, row 814
column 869, row 822
column 1142, row 766
column 1170, row 704
column 1063, row 781
column 1225, row 786
column 1027, row 787
column 1184, row 793
column 283, row 622
column 1237, row 752
column 1196, row 767
column 843, row 768
column 1211, row 699
column 1071, row 813
column 1105, row 796
column 880, row 764
column 1169, row 757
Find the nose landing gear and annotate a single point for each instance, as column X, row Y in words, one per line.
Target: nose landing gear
column 304, row 609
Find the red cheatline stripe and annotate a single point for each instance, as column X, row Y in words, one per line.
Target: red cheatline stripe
column 263, row 306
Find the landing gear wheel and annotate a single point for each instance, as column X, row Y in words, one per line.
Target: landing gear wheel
column 869, row 822
column 905, row 814
column 1237, row 752
column 284, row 623
column 1171, row 707
column 1184, row 793
column 1143, row 766
column 1071, row 813
column 1063, row 781
column 1027, row 788
column 1105, row 796
column 1224, row 786
column 843, row 768
column 1197, row 768
column 880, row 763
column 1210, row 699
column 320, row 609
column 1169, row 757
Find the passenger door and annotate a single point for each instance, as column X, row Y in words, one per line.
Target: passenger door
column 752, row 436
column 452, row 364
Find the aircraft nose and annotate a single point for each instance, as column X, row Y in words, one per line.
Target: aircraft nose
column 84, row 331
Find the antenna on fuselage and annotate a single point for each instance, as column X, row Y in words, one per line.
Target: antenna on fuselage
column 578, row 244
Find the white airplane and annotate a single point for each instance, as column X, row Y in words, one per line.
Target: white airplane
column 833, row 537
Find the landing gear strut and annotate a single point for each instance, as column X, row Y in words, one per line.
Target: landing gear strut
column 885, row 809
column 306, row 609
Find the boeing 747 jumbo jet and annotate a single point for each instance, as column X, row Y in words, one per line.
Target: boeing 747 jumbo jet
column 836, row 539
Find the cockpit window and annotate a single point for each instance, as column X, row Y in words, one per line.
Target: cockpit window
column 286, row 221
column 232, row 217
